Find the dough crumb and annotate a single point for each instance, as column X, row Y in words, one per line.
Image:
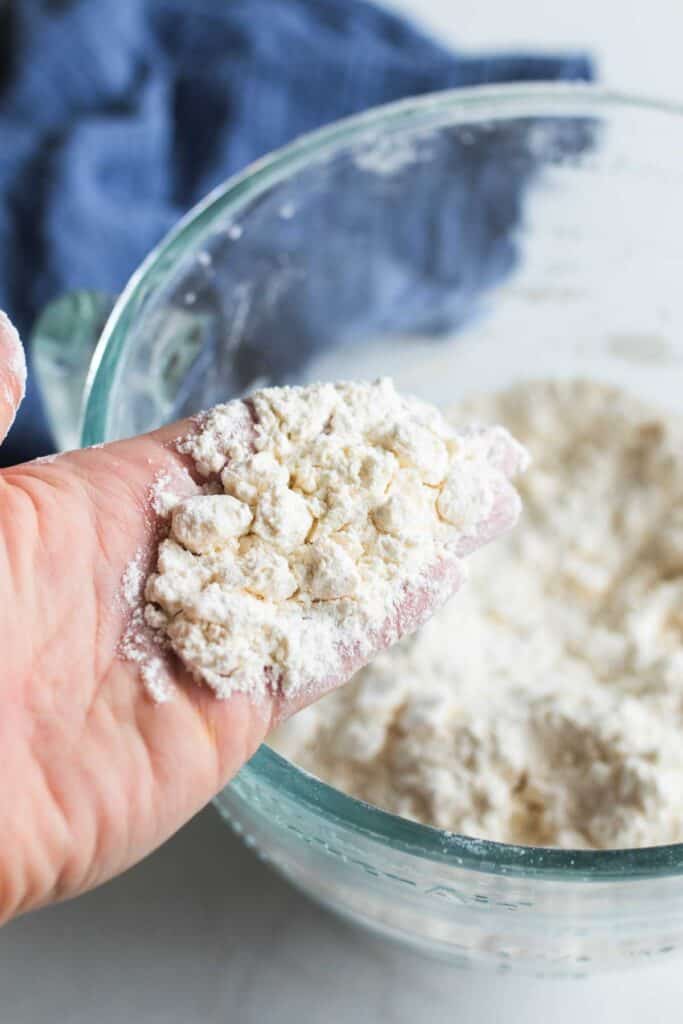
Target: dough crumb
column 323, row 507
column 544, row 705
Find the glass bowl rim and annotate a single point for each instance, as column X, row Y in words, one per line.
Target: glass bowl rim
column 453, row 106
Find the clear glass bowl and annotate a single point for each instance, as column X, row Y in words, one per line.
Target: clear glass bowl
column 457, row 242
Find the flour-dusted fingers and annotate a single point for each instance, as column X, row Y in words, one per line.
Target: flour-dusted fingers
column 325, row 513
column 498, row 507
column 416, row 602
column 12, row 374
column 489, row 490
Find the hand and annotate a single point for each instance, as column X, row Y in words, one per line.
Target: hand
column 95, row 774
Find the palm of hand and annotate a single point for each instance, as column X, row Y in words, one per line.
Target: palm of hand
column 95, row 774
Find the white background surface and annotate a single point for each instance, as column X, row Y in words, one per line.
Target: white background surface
column 201, row 931
column 637, row 45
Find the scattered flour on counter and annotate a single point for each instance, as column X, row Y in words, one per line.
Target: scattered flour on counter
column 323, row 508
column 544, row 704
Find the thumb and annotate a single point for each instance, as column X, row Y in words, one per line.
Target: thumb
column 12, row 374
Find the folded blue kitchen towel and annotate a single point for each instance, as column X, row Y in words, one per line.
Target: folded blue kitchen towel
column 118, row 115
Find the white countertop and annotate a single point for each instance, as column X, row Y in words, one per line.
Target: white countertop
column 637, row 46
column 202, row 931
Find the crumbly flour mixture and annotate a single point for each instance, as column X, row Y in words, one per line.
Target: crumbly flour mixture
column 544, row 703
column 315, row 542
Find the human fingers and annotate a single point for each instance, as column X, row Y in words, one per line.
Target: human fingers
column 12, row 374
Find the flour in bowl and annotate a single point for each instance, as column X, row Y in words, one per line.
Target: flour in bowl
column 334, row 520
column 543, row 704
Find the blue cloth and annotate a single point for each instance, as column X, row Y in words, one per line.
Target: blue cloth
column 117, row 115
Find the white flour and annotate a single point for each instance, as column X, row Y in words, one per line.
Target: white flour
column 322, row 534
column 543, row 704
column 139, row 643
